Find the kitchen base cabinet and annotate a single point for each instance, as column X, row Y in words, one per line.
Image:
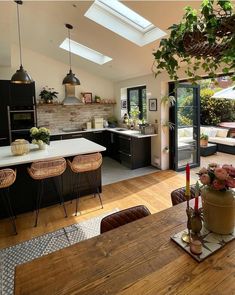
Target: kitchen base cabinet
column 134, row 152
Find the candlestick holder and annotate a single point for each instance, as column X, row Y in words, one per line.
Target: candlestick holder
column 186, row 237
column 196, row 220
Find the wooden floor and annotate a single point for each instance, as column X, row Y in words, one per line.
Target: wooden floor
column 152, row 190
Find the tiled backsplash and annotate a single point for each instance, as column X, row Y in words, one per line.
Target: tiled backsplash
column 56, row 117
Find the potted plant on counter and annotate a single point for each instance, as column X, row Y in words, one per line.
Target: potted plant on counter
column 204, row 139
column 48, row 94
column 40, row 136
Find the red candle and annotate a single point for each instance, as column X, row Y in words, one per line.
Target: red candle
column 187, row 172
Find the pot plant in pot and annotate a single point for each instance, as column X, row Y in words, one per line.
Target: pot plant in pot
column 40, row 136
column 204, row 139
column 48, row 94
column 218, row 198
column 203, row 40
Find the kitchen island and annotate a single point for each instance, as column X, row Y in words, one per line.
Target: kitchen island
column 24, row 190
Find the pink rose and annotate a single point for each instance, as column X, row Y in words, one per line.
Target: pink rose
column 221, row 173
column 218, row 185
column 205, row 179
column 230, row 182
column 202, row 171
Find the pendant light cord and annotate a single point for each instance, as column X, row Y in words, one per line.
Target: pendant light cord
column 69, row 50
column 18, row 18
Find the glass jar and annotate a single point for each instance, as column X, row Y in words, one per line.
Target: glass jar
column 19, row 147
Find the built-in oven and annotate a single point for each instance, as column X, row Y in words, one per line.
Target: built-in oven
column 20, row 120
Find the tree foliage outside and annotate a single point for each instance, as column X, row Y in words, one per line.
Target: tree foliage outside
column 213, row 110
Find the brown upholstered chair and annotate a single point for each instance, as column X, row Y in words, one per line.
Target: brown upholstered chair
column 123, row 217
column 88, row 164
column 178, row 195
column 7, row 178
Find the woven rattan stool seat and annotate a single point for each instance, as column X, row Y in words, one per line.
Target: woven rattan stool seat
column 85, row 163
column 46, row 169
column 7, row 177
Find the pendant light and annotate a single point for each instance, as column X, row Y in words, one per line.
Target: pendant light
column 20, row 76
column 70, row 78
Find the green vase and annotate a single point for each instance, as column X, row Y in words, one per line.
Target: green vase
column 218, row 210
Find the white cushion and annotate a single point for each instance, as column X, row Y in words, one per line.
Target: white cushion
column 181, row 132
column 206, row 130
column 223, row 140
column 222, row 133
column 188, row 131
column 213, row 132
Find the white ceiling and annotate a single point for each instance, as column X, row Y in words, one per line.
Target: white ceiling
column 42, row 30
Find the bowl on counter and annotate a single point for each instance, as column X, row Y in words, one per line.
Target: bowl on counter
column 19, row 147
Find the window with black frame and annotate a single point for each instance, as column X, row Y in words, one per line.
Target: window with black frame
column 136, row 100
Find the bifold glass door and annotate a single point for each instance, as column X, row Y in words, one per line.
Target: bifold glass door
column 186, row 133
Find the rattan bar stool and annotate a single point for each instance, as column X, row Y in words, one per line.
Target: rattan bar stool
column 42, row 170
column 7, row 178
column 88, row 164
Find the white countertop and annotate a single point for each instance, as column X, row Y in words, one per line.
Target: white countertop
column 58, row 148
column 133, row 133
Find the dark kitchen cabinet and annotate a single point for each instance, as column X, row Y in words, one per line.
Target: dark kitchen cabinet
column 55, row 137
column 112, row 145
column 22, row 94
column 135, row 152
column 4, row 101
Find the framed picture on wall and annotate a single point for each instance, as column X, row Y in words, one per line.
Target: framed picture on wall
column 123, row 104
column 87, row 97
column 152, row 104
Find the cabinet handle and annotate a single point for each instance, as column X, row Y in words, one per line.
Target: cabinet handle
column 3, row 138
column 125, row 138
column 97, row 131
column 125, row 154
column 76, row 135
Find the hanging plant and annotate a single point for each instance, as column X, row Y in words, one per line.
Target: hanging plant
column 202, row 40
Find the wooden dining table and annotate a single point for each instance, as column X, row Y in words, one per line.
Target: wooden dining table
column 135, row 259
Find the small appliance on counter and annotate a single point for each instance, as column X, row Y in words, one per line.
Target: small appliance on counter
column 88, row 125
column 98, row 123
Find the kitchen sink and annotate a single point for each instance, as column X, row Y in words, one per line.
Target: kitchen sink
column 120, row 129
column 71, row 129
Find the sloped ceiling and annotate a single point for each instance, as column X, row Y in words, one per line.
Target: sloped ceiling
column 42, row 30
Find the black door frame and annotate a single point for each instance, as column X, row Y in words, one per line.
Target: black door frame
column 173, row 138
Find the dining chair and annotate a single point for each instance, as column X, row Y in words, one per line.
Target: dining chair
column 122, row 217
column 178, row 195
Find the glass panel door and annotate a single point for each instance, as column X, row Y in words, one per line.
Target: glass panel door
column 187, row 126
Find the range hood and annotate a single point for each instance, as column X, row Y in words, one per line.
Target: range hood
column 70, row 97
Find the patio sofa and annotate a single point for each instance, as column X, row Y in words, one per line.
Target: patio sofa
column 216, row 135
column 219, row 136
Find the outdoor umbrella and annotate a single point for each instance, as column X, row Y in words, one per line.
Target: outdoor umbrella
column 228, row 93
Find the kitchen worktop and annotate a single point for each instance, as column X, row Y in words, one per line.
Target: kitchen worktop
column 133, row 133
column 58, row 148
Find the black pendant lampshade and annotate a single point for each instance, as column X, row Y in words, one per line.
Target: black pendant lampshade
column 70, row 78
column 20, row 76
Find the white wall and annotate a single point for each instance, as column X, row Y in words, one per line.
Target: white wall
column 49, row 72
column 155, row 88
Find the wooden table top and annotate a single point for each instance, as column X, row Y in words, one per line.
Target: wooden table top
column 138, row 258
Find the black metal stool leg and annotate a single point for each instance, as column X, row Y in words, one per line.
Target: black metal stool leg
column 6, row 198
column 39, row 200
column 78, row 194
column 95, row 186
column 59, row 187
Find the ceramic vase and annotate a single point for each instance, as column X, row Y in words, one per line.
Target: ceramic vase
column 42, row 146
column 218, row 210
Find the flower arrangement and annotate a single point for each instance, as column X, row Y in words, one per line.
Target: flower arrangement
column 40, row 135
column 48, row 94
column 217, row 177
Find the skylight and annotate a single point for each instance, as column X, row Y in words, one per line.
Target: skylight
column 85, row 52
column 125, row 22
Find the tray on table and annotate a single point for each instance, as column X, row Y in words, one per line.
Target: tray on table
column 211, row 242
